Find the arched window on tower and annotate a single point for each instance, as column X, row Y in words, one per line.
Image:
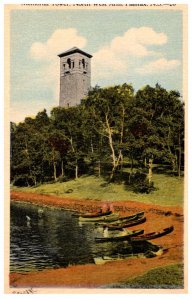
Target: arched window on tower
column 83, row 63
column 69, row 62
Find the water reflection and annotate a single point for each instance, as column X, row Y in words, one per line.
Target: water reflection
column 55, row 239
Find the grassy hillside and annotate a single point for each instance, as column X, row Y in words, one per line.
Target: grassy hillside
column 169, row 191
column 169, row 277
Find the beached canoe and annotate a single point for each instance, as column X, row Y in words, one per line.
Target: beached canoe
column 120, row 237
column 131, row 217
column 104, row 259
column 111, row 217
column 122, row 219
column 94, row 214
column 125, row 224
column 152, row 235
column 148, row 254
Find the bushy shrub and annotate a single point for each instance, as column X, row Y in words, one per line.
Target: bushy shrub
column 140, row 184
column 143, row 187
column 62, row 179
column 22, row 180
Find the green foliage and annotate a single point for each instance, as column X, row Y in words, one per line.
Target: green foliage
column 141, row 186
column 139, row 183
column 112, row 126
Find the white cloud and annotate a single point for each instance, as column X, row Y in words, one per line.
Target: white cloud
column 117, row 57
column 105, row 64
column 157, row 66
column 135, row 41
column 59, row 41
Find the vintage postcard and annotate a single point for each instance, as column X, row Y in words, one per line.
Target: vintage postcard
column 95, row 101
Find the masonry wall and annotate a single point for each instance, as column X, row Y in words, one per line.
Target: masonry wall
column 75, row 82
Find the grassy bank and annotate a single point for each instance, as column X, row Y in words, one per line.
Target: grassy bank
column 169, row 277
column 169, row 190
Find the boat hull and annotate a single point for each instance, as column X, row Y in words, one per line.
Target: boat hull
column 119, row 237
column 126, row 224
column 111, row 217
column 132, row 217
column 152, row 235
column 95, row 215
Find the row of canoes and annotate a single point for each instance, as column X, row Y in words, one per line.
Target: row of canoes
column 113, row 222
column 136, row 236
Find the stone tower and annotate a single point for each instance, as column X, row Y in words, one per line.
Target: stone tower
column 75, row 76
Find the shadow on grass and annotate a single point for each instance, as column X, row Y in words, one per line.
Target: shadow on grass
column 169, row 277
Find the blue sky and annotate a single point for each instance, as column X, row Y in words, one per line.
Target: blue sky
column 134, row 46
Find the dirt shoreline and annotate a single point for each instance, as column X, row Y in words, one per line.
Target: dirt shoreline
column 95, row 276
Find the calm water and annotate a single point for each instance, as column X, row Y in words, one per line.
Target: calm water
column 56, row 239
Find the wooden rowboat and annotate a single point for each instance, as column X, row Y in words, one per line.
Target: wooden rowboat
column 120, row 237
column 108, row 218
column 152, row 235
column 126, row 224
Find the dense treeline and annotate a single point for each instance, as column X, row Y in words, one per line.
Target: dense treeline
column 113, row 132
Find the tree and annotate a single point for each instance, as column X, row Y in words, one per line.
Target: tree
column 108, row 108
column 59, row 148
column 69, row 121
column 157, row 125
column 25, row 159
column 30, row 151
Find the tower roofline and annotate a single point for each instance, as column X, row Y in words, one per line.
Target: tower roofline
column 74, row 50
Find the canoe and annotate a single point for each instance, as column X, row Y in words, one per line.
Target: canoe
column 152, row 235
column 95, row 214
column 132, row 217
column 121, row 220
column 118, row 226
column 111, row 217
column 104, row 259
column 101, row 260
column 120, row 237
